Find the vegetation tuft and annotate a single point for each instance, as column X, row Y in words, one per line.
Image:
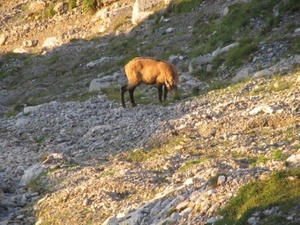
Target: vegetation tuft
column 282, row 190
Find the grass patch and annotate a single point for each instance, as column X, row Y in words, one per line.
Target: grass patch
column 291, row 6
column 235, row 25
column 264, row 194
column 38, row 184
column 258, row 160
column 140, row 155
column 278, row 155
column 72, row 4
column 295, row 42
column 89, row 5
column 49, row 12
column 80, row 97
column 182, row 6
column 54, row 58
column 239, row 54
column 189, row 164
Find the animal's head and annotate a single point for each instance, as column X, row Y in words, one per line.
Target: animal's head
column 171, row 86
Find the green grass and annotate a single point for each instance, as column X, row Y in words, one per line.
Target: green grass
column 189, row 164
column 278, row 155
column 72, row 4
column 281, row 189
column 182, row 6
column 141, row 155
column 49, row 12
column 291, row 6
column 234, row 26
column 258, row 160
column 89, row 5
column 240, row 54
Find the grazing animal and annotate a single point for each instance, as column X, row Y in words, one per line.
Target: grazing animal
column 149, row 71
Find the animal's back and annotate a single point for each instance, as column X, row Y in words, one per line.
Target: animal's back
column 148, row 70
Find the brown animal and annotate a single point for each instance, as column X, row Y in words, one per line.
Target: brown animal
column 149, row 71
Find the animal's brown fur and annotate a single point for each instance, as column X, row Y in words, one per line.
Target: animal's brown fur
column 149, row 71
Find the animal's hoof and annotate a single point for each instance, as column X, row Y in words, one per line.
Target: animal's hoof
column 133, row 105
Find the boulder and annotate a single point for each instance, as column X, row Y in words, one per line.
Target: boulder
column 51, row 42
column 142, row 10
column 32, row 173
column 37, row 6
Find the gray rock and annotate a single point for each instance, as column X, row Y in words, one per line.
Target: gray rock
column 170, row 30
column 98, row 62
column 251, row 220
column 99, row 83
column 243, row 74
column 32, row 173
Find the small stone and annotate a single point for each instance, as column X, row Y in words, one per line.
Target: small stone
column 30, row 43
column 221, row 180
column 170, row 30
column 289, row 218
column 212, row 220
column 251, row 220
column 189, row 181
column 267, row 212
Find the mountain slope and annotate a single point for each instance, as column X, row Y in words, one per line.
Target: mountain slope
column 69, row 156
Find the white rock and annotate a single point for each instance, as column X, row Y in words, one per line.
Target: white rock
column 170, row 30
column 100, row 61
column 297, row 31
column 37, row 6
column 289, row 218
column 30, row 109
column 267, row 212
column 58, row 7
column 212, row 220
column 224, row 49
column 225, row 11
column 294, row 159
column 101, row 15
column 263, row 108
column 20, row 50
column 51, row 42
column 142, row 10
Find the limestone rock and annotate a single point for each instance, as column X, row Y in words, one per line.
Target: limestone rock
column 32, row 173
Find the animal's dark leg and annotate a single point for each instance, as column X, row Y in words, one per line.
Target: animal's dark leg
column 165, row 92
column 159, row 87
column 131, row 96
column 123, row 90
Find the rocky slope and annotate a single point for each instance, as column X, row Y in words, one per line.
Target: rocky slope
column 93, row 162
column 99, row 160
